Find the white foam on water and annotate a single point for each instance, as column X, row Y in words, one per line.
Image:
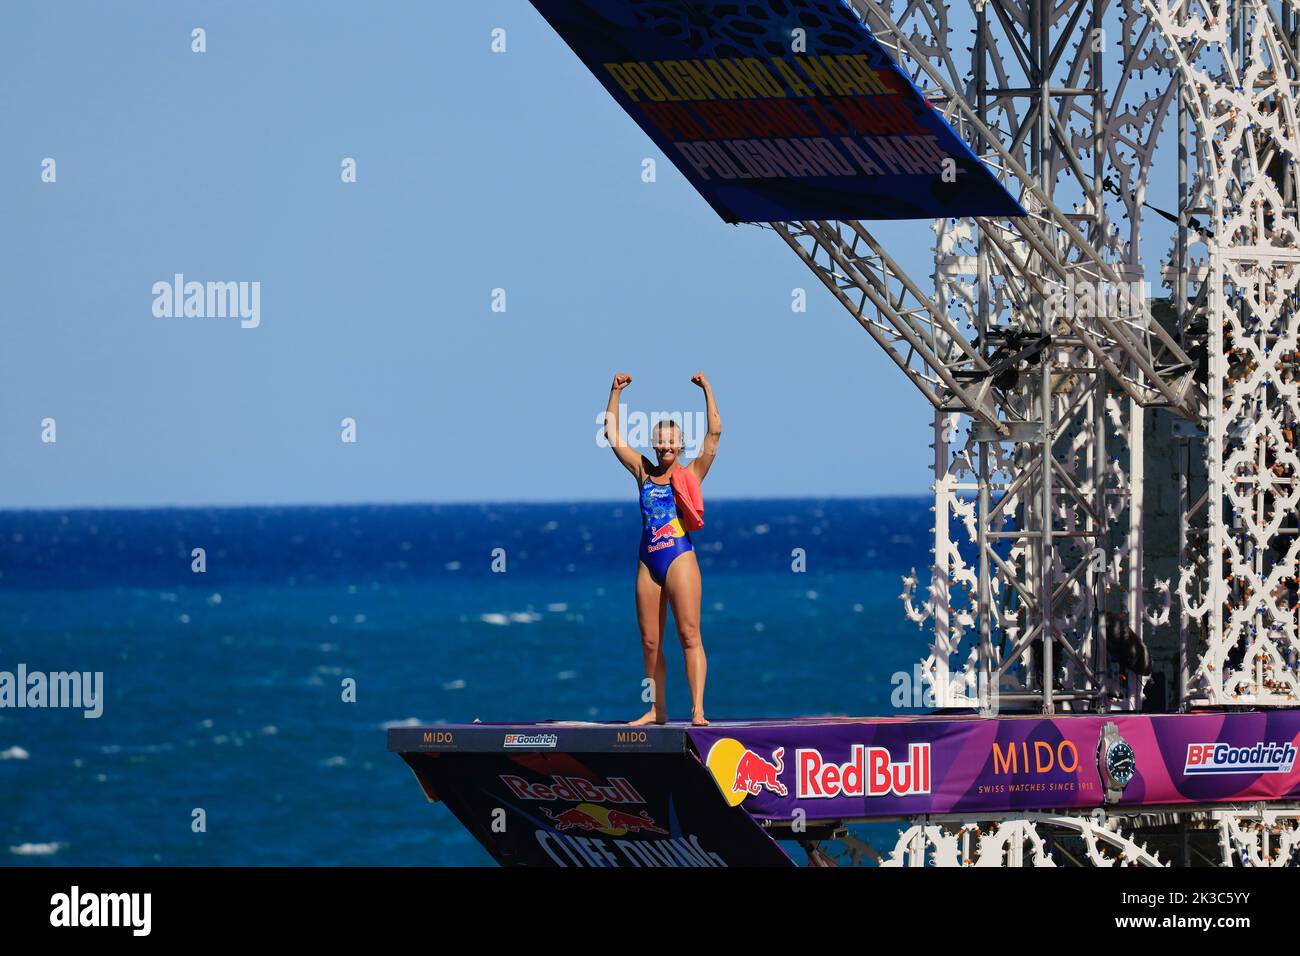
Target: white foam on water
column 405, row 722
column 36, row 849
column 494, row 618
column 457, row 684
column 558, row 607
column 14, row 753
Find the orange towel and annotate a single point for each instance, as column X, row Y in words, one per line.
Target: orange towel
column 690, row 500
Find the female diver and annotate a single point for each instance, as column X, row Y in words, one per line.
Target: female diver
column 667, row 571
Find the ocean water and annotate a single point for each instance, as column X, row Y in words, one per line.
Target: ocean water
column 223, row 689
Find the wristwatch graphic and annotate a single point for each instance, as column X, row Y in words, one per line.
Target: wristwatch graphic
column 1115, row 761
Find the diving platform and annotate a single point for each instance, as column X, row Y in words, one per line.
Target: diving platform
column 567, row 793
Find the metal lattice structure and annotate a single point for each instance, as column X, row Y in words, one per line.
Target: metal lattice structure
column 1253, row 836
column 1041, row 591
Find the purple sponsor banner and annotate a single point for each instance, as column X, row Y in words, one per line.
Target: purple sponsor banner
column 853, row 769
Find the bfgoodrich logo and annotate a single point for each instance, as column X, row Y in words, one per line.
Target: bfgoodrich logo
column 103, row 909
column 1263, row 757
column 79, row 690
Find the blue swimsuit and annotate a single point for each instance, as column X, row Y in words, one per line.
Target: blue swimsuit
column 662, row 535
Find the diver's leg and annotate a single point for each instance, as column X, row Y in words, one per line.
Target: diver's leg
column 682, row 582
column 661, row 663
column 650, row 614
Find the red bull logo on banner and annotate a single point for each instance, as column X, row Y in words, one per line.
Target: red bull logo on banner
column 589, row 817
column 1208, row 758
column 740, row 772
column 869, row 772
column 573, row 789
column 754, row 774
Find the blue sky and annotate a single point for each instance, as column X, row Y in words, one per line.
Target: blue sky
column 475, row 171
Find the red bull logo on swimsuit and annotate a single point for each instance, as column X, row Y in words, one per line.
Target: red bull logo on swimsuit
column 663, row 537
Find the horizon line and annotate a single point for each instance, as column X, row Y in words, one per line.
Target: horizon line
column 26, row 509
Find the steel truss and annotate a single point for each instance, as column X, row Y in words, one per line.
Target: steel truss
column 1225, row 836
column 1042, row 413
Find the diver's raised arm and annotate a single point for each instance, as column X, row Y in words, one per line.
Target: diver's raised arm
column 704, row 460
column 631, row 460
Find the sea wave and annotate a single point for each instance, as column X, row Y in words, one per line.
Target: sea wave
column 36, row 849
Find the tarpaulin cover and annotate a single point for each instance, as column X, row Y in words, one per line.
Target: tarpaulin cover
column 779, row 111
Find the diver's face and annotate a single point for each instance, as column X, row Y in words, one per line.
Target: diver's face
column 666, row 445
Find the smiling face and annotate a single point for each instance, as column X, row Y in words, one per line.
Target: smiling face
column 667, row 442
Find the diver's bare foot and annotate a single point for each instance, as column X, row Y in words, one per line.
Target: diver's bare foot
column 648, row 717
column 697, row 719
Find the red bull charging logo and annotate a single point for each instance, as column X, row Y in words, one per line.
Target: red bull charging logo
column 588, row 817
column 664, row 535
column 754, row 774
column 740, row 772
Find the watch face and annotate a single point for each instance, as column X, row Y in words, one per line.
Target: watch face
column 1120, row 762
